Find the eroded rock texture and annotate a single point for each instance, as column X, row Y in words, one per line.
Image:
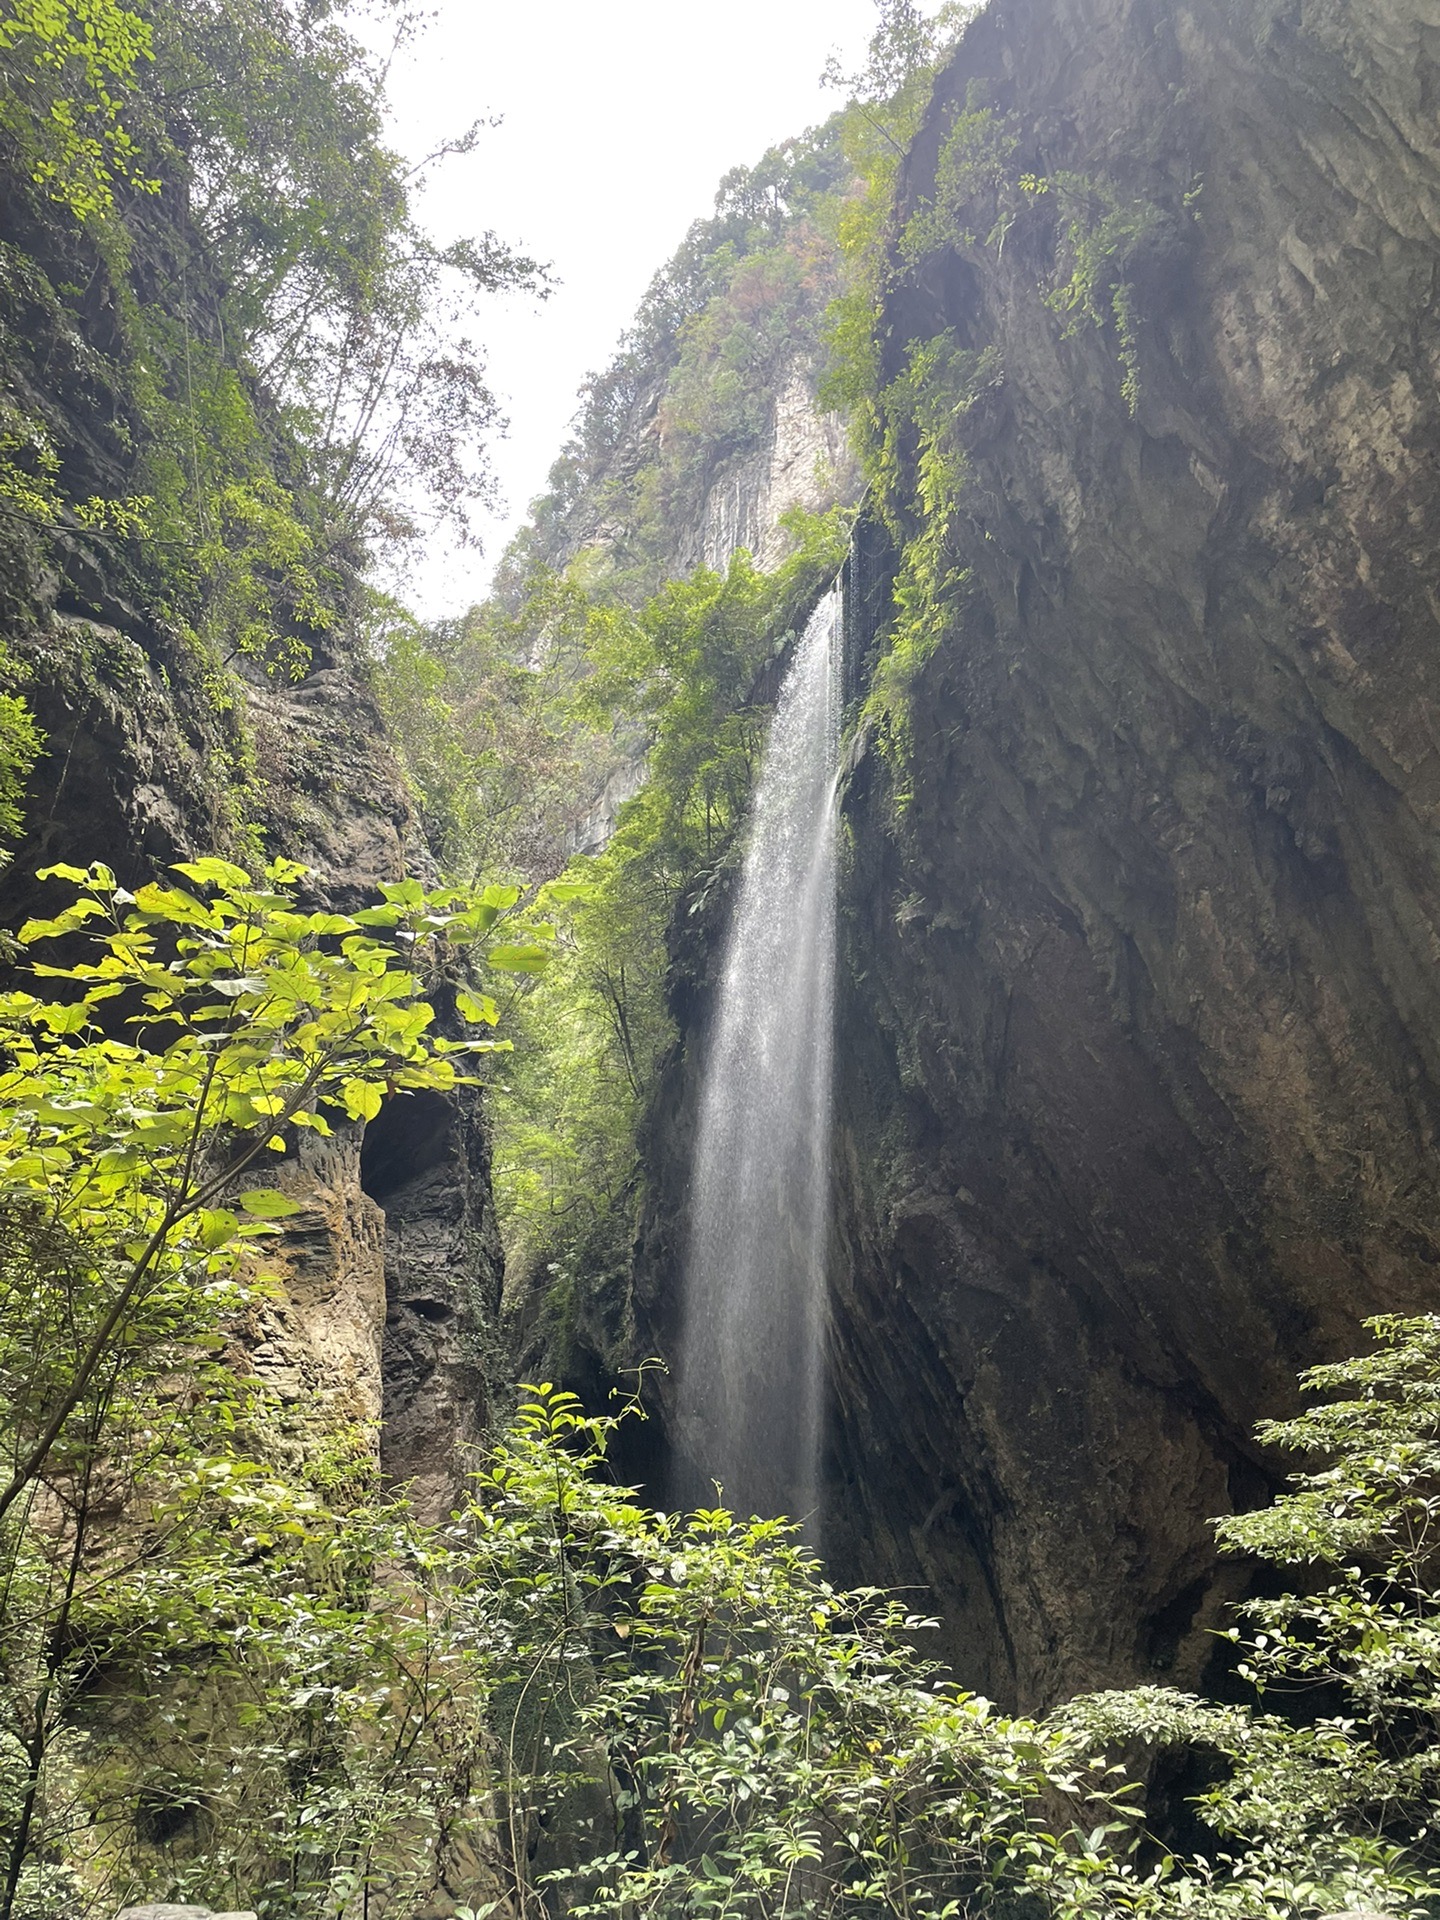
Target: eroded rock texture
column 154, row 753
column 1140, row 1049
column 390, row 1278
column 426, row 1164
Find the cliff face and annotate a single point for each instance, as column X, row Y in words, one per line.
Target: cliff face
column 158, row 750
column 1140, row 1041
column 801, row 459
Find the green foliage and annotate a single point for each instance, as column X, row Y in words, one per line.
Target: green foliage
column 1370, row 1516
column 233, row 564
column 686, row 667
column 262, row 389
column 250, row 1018
column 973, row 168
column 890, row 93
column 483, row 712
column 20, row 744
column 888, row 99
column 739, row 308
column 1329, row 1802
column 626, row 1711
column 764, row 1744
column 343, row 308
column 358, row 1703
column 65, row 68
column 136, row 1496
column 563, row 1696
column 1101, row 235
column 1083, row 239
column 920, row 418
column 503, row 718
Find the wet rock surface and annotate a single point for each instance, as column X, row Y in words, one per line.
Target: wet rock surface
column 1140, row 1029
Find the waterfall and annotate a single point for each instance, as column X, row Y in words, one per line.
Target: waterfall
column 751, row 1353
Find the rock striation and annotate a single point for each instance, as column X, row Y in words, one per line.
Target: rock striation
column 1140, row 1028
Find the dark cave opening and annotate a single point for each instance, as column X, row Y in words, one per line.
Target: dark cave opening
column 404, row 1141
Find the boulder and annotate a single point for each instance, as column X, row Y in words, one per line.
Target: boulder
column 168, row 1911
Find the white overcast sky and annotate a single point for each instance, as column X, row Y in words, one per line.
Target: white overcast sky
column 619, row 119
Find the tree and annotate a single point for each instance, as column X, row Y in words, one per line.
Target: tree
column 66, row 67
column 124, row 1164
column 283, row 364
column 1326, row 1800
column 338, row 302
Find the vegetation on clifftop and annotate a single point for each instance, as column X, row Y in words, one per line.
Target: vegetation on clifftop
column 231, row 1667
column 741, row 308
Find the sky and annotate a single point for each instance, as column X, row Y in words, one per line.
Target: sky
column 619, row 118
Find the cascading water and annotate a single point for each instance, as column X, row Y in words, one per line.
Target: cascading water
column 751, row 1354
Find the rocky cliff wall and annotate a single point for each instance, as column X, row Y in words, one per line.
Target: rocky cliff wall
column 1140, row 1040
column 158, row 750
column 391, row 1275
column 803, row 460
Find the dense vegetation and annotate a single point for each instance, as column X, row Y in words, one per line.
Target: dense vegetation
column 558, row 1696
column 232, row 1665
column 682, row 679
column 235, row 365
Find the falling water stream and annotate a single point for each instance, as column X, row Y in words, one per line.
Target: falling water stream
column 753, row 1310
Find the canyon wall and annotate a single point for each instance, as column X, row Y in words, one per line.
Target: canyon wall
column 1140, row 1041
column 1139, row 1049
column 159, row 749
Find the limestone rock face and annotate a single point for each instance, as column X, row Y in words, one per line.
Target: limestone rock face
column 426, row 1162
column 167, row 1911
column 329, row 787
column 1140, row 1038
column 317, row 1343
column 155, row 752
column 804, row 460
column 387, row 1297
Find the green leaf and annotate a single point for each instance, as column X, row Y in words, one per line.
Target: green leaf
column 268, row 1204
column 520, row 959
column 212, row 872
column 218, row 1226
column 469, row 926
column 562, row 892
column 67, row 1019
column 66, row 922
column 477, row 1008
column 363, row 1099
column 169, row 903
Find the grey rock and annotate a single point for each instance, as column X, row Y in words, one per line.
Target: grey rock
column 1141, row 1042
column 1139, row 1053
column 168, row 1912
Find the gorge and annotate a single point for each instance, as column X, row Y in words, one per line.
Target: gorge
column 940, row 799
